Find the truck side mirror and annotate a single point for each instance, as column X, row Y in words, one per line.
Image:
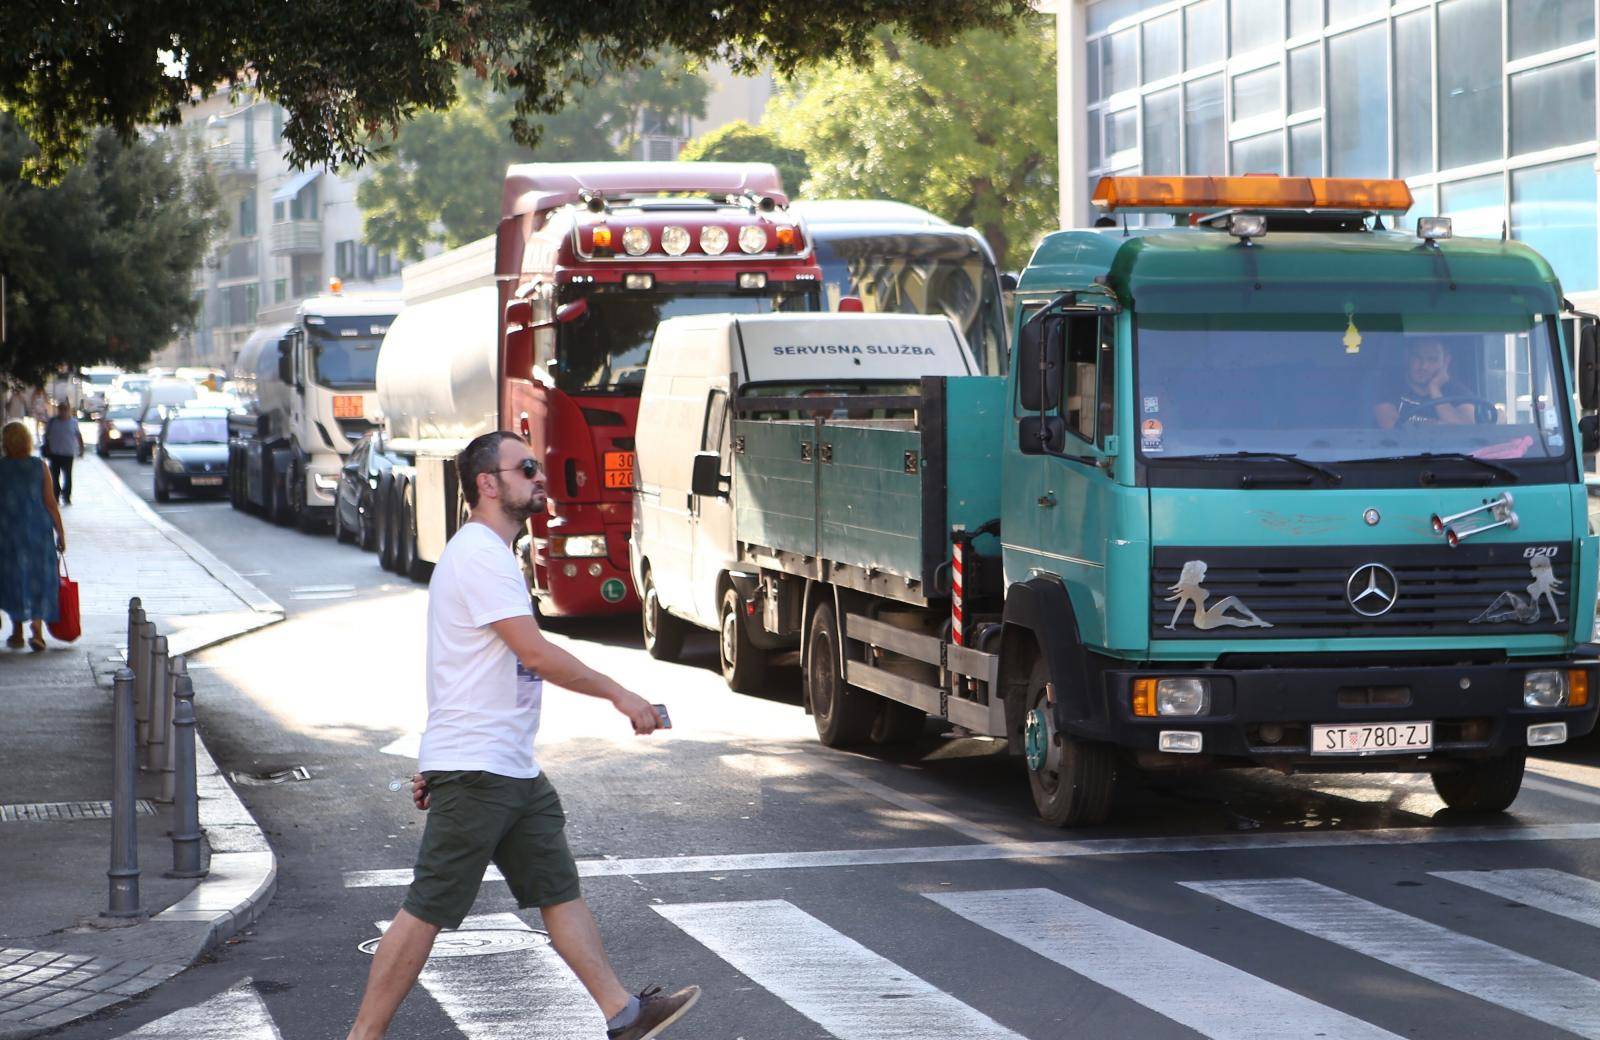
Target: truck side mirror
column 1589, row 434
column 1588, row 368
column 285, row 362
column 1039, row 362
column 519, row 339
column 706, row 477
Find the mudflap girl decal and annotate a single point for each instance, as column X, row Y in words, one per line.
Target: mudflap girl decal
column 1228, row 612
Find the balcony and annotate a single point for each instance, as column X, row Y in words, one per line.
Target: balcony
column 296, row 237
column 229, row 160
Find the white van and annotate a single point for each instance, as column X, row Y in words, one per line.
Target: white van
column 160, row 393
column 683, row 551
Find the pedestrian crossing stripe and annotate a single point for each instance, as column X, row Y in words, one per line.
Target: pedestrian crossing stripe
column 1540, row 991
column 1554, row 891
column 1210, row 997
column 236, row 1013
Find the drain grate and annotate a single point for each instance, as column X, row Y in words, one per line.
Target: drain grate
column 281, row 776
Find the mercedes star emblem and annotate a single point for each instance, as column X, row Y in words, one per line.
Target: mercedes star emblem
column 1372, row 590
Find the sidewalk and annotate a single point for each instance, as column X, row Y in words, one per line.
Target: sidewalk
column 58, row 960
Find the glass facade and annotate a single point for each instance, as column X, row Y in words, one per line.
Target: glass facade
column 1486, row 107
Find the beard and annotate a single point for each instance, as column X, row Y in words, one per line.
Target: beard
column 522, row 511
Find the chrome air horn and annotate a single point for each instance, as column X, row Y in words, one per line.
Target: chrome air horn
column 1499, row 508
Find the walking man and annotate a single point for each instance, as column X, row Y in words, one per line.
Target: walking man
column 63, row 442
column 486, row 797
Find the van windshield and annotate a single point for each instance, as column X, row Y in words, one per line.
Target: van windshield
column 604, row 350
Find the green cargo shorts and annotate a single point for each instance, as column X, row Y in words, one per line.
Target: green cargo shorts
column 475, row 818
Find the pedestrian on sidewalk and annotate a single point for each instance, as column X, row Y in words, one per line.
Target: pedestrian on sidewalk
column 486, row 797
column 63, row 442
column 28, row 576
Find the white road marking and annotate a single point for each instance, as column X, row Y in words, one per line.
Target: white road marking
column 828, row 977
column 1560, row 790
column 1479, row 969
column 591, row 868
column 408, row 746
column 1553, row 891
column 317, row 592
column 1208, row 996
column 237, row 1013
column 529, row 995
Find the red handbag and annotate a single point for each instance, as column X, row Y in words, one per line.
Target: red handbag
column 69, row 622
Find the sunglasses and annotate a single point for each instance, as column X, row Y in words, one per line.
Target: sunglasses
column 529, row 468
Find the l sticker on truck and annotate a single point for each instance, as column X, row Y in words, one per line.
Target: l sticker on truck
column 1229, row 612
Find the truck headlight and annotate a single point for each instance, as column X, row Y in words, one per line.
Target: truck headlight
column 1152, row 697
column 578, row 545
column 1544, row 689
column 172, row 465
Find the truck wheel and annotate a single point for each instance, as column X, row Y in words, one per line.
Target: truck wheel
column 896, row 723
column 417, row 569
column 383, row 520
column 663, row 633
column 1482, row 787
column 843, row 715
column 278, row 497
column 744, row 664
column 402, row 532
column 1072, row 780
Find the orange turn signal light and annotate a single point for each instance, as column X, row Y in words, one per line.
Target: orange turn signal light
column 1189, row 194
column 1577, row 687
column 787, row 236
column 602, row 238
column 1144, row 698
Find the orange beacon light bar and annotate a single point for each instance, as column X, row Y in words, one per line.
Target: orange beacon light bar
column 1191, row 194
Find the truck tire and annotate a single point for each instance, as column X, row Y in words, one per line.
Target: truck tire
column 663, row 633
column 896, row 723
column 401, row 532
column 278, row 499
column 843, row 715
column 417, row 569
column 1482, row 787
column 744, row 665
column 383, row 521
column 1072, row 780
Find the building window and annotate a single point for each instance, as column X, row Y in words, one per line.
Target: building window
column 344, row 258
column 1260, row 154
column 277, row 212
column 277, row 124
column 1163, row 47
column 1476, row 207
column 304, row 205
column 1305, row 150
column 1122, row 135
column 1553, row 210
column 280, row 290
column 1091, row 66
column 247, row 217
column 1305, row 78
column 1552, row 106
column 1346, row 10
column 1358, row 103
column 1256, row 23
column 1161, row 123
column 1304, row 16
column 1543, row 25
column 1204, row 35
column 1202, row 126
column 1413, row 84
column 1258, row 93
column 1120, row 70
column 1470, row 114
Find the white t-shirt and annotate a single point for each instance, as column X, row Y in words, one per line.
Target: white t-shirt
column 483, row 705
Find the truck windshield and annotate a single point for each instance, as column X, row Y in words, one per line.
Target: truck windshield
column 344, row 351
column 604, row 350
column 918, row 273
column 1350, row 387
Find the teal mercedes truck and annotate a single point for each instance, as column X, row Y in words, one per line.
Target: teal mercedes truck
column 1270, row 483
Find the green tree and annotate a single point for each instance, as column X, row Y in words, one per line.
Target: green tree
column 100, row 267
column 444, row 169
column 346, row 70
column 738, row 141
column 968, row 131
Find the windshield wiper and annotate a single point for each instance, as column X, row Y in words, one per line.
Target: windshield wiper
column 1333, row 476
column 1429, row 477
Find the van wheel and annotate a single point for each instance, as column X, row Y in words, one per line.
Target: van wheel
column 744, row 665
column 663, row 633
column 1072, row 780
column 1482, row 787
column 843, row 715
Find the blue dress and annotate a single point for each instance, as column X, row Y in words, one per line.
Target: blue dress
column 28, row 577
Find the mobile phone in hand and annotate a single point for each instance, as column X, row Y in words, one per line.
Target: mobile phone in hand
column 661, row 714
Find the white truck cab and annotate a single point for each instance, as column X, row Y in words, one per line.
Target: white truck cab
column 683, row 551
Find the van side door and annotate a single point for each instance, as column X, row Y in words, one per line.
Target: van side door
column 711, row 516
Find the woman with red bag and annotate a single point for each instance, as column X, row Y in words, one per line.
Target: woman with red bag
column 28, row 577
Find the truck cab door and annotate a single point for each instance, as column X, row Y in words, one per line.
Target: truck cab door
column 297, row 396
column 711, row 516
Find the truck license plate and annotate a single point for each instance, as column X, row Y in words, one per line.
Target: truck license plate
column 1381, row 738
column 619, row 469
column 347, row 406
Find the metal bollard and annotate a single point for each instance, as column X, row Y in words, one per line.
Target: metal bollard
column 124, row 872
column 177, row 668
column 139, row 661
column 186, row 795
column 135, row 615
column 160, row 706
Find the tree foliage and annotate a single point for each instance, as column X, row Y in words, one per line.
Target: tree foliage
column 100, row 267
column 968, row 131
column 738, row 141
column 346, row 70
column 444, row 169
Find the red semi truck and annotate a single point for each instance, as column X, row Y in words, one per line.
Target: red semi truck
column 587, row 259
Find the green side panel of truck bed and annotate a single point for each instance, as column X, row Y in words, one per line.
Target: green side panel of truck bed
column 976, row 423
column 872, row 509
column 774, row 490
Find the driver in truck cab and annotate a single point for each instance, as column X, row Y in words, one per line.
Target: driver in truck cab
column 1427, row 380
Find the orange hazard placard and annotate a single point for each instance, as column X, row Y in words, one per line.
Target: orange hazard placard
column 619, row 469
column 347, row 406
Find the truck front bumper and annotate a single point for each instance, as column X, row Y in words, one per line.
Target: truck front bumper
column 1265, row 717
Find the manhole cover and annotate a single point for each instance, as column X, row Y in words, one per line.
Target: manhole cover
column 281, row 776
column 478, row 942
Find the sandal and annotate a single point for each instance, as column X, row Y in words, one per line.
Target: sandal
column 36, row 644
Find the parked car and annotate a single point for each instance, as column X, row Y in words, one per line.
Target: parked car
column 191, row 455
column 119, row 426
column 354, row 512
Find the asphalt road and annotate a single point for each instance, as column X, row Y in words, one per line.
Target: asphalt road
column 816, row 893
